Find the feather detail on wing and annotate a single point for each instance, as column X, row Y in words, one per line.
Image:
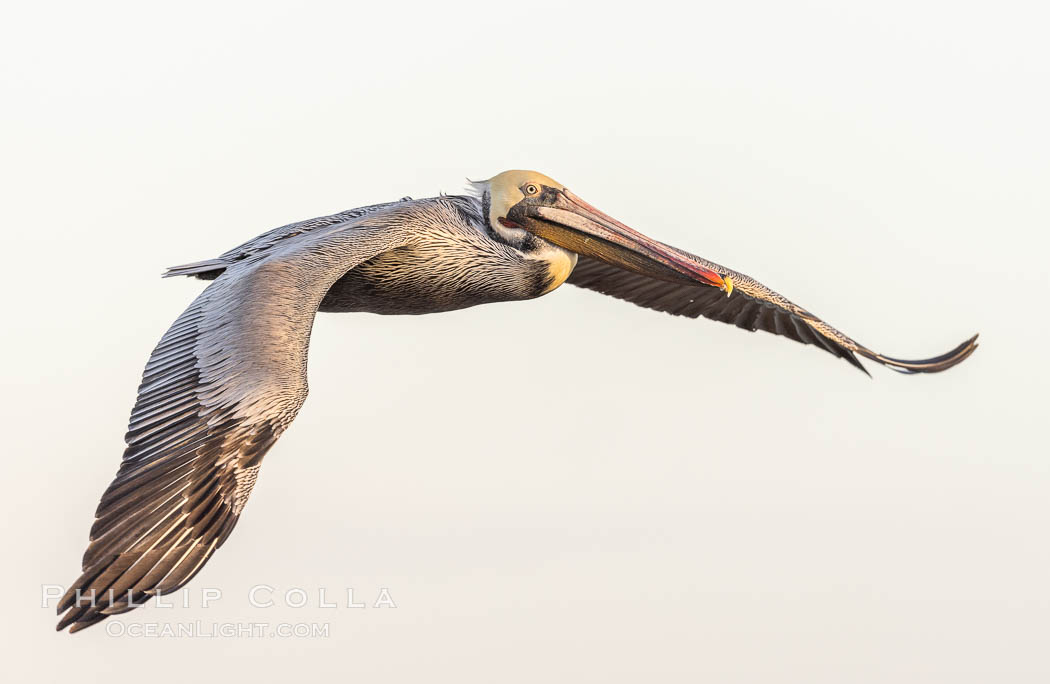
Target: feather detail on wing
column 209, row 269
column 751, row 306
column 219, row 389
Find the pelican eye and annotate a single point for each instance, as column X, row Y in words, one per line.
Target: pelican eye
column 530, row 189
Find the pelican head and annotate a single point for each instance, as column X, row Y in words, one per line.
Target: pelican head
column 521, row 203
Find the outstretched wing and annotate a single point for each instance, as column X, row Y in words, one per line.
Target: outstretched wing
column 751, row 306
column 219, row 389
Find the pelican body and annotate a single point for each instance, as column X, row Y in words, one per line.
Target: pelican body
column 229, row 376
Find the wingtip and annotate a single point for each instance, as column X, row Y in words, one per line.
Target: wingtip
column 78, row 620
column 66, row 621
column 78, row 626
column 935, row 364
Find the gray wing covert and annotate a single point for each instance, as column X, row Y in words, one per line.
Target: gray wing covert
column 219, row 389
column 209, row 269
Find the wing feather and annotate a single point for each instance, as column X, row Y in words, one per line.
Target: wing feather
column 219, row 389
column 751, row 306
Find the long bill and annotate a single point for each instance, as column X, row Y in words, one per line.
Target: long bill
column 575, row 225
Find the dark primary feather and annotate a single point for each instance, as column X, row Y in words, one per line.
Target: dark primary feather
column 751, row 306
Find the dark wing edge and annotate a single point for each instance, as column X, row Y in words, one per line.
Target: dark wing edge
column 219, row 389
column 751, row 306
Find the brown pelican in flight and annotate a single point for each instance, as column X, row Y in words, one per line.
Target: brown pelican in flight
column 230, row 374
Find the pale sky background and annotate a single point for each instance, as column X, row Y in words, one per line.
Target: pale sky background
column 573, row 488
